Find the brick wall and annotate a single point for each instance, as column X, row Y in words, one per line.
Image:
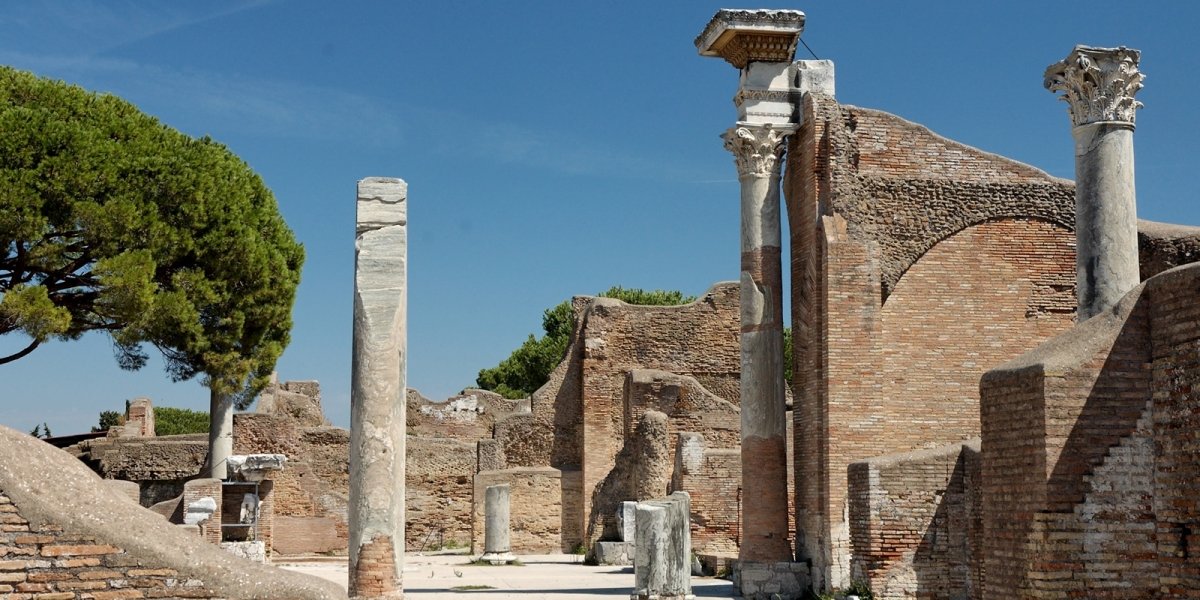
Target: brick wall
column 535, row 515
column 1108, row 509
column 713, row 479
column 917, row 263
column 699, row 340
column 205, row 488
column 914, row 521
column 687, row 405
column 47, row 564
column 577, row 419
column 1175, row 322
column 311, row 494
column 642, row 472
column 438, row 492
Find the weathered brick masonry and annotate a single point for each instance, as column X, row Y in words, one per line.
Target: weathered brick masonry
column 916, row 523
column 917, row 264
column 579, row 419
column 1091, row 453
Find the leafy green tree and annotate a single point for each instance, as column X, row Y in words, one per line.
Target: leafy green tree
column 108, row 419
column 113, row 222
column 529, row 366
column 178, row 421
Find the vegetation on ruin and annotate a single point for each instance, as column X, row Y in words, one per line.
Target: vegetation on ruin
column 41, row 431
column 528, row 367
column 113, row 222
column 179, row 421
column 108, row 419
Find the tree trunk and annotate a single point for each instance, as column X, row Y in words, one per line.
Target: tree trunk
column 220, row 434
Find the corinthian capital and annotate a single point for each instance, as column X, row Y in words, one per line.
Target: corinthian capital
column 756, row 149
column 1098, row 84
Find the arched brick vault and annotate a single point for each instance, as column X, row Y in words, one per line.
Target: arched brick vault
column 898, row 184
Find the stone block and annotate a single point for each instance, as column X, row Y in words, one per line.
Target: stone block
column 662, row 556
column 614, row 553
column 627, row 521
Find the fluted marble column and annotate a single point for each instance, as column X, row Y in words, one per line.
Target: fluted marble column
column 1098, row 85
column 757, row 150
column 377, row 404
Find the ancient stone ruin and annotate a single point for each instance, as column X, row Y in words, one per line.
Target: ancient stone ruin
column 992, row 391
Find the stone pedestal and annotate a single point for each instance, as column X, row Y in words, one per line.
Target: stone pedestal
column 497, row 546
column 770, row 581
column 1098, row 85
column 377, row 404
column 662, row 562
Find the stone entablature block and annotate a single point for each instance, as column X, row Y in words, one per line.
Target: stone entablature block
column 745, row 36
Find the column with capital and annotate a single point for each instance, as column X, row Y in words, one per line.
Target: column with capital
column 757, row 151
column 1098, row 85
column 761, row 44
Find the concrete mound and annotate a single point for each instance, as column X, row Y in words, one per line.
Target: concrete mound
column 60, row 518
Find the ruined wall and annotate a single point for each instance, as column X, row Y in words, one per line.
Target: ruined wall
column 686, row 403
column 713, row 479
column 311, row 494
column 577, row 420
column 906, row 246
column 63, row 534
column 914, row 522
column 699, row 340
column 642, row 472
column 1163, row 246
column 535, row 513
column 466, row 416
column 1096, row 497
column 438, row 492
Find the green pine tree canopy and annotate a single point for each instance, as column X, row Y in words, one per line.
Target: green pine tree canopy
column 111, row 221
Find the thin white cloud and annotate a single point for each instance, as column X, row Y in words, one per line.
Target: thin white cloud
column 91, row 27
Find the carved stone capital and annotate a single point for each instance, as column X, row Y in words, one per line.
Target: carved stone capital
column 756, row 149
column 1098, row 84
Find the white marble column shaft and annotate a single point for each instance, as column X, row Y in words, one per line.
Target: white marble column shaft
column 1098, row 85
column 377, row 396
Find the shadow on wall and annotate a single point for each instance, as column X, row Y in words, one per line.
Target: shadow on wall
column 946, row 563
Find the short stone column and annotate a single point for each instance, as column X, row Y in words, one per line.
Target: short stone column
column 760, row 43
column 1098, row 85
column 377, row 404
column 497, row 545
column 662, row 567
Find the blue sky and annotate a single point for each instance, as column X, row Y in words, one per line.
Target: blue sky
column 551, row 148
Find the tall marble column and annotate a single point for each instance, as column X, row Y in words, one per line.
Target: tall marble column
column 1098, row 85
column 757, row 151
column 761, row 44
column 377, row 403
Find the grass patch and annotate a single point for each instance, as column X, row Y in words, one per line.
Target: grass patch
column 471, row 588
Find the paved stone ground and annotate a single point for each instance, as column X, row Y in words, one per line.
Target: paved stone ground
column 554, row 576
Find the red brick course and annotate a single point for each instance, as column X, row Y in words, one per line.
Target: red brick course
column 375, row 574
column 45, row 563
